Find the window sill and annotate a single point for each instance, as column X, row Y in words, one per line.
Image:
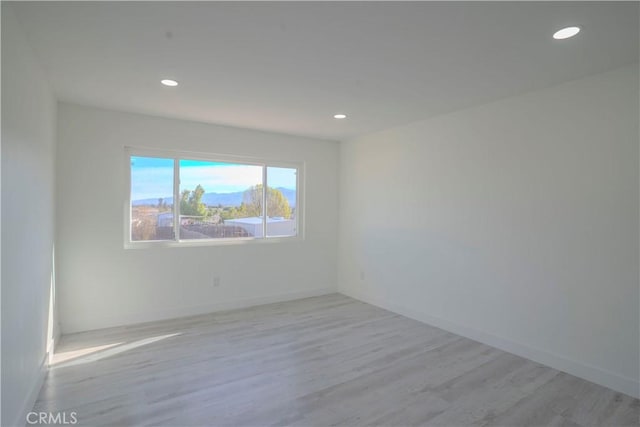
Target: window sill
column 210, row 242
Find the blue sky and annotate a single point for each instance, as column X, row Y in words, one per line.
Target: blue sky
column 152, row 177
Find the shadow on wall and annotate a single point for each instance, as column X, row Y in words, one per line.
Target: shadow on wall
column 52, row 327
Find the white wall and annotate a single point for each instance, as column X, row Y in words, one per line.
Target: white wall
column 28, row 149
column 101, row 284
column 515, row 223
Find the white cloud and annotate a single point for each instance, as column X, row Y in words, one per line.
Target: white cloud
column 220, row 179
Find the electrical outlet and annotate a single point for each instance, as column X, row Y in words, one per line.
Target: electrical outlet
column 216, row 281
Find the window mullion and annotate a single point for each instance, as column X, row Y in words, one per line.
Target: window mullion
column 176, row 199
column 264, row 201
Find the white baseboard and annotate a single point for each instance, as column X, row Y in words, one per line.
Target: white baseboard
column 114, row 321
column 32, row 396
column 581, row 370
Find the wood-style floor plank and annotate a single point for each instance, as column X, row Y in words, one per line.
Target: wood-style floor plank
column 323, row 361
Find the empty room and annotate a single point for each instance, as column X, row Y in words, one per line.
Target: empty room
column 308, row 213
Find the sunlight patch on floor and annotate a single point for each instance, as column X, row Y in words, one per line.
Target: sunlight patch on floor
column 93, row 354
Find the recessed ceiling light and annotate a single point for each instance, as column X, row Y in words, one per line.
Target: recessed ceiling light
column 339, row 116
column 169, row 82
column 566, row 33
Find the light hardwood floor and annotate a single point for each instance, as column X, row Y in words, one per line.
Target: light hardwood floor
column 320, row 361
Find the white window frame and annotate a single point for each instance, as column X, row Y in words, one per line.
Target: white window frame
column 227, row 158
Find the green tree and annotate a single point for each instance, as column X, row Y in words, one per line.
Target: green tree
column 277, row 204
column 230, row 213
column 191, row 202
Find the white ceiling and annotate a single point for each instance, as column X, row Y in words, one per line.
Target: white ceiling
column 288, row 67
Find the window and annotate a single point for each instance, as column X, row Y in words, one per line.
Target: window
column 216, row 199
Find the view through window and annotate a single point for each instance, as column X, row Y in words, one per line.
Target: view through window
column 152, row 198
column 216, row 199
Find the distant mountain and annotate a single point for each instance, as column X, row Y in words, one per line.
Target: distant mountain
column 224, row 199
column 216, row 199
column 151, row 202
